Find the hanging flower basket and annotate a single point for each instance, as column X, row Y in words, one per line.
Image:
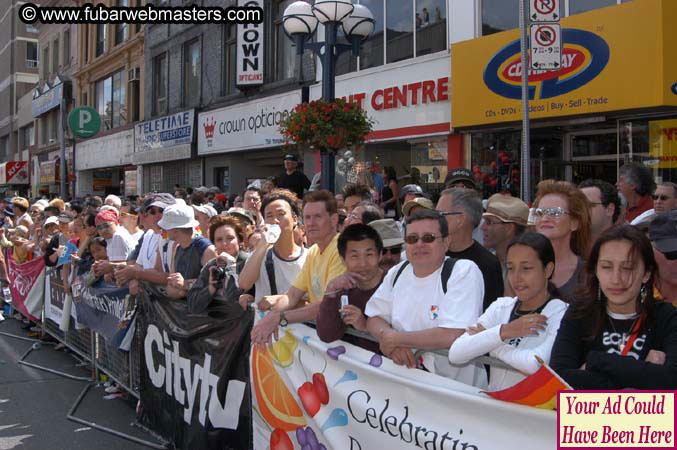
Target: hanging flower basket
column 326, row 125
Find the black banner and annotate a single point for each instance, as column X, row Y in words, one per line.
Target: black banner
column 195, row 374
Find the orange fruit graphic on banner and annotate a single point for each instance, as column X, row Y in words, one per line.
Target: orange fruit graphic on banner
column 276, row 403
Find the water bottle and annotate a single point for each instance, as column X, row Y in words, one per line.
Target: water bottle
column 272, row 233
column 7, row 294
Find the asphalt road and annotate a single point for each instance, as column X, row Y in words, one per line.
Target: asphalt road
column 34, row 403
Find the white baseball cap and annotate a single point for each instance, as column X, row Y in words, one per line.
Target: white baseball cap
column 178, row 216
column 206, row 210
column 51, row 220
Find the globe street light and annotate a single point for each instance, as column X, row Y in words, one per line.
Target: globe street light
column 300, row 21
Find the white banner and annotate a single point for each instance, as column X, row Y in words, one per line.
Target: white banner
column 245, row 126
column 250, row 49
column 164, row 138
column 347, row 398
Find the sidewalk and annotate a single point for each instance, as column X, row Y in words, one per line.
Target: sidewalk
column 34, row 403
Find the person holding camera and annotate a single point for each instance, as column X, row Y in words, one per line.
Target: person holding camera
column 218, row 278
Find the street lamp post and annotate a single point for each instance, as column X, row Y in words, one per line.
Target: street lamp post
column 300, row 23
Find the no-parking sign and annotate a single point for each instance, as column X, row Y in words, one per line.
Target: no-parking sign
column 546, row 46
column 544, row 10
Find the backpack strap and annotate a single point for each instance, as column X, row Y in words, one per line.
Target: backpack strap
column 399, row 272
column 447, row 268
column 270, row 270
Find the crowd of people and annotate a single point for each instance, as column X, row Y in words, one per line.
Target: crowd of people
column 584, row 279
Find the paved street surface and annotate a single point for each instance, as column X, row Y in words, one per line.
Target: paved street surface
column 34, row 403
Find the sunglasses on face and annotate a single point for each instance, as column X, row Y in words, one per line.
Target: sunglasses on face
column 427, row 238
column 662, row 198
column 392, row 251
column 102, row 226
column 124, row 214
column 554, row 213
column 491, row 223
column 153, row 211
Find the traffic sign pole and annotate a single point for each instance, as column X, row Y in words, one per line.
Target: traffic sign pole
column 525, row 173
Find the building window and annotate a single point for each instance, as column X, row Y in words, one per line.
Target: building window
column 431, row 26
column 191, row 72
column 121, row 29
column 160, row 83
column 285, row 50
column 54, row 126
column 30, row 28
column 28, row 136
column 55, row 56
column 43, row 130
column 111, row 100
column 85, row 44
column 100, row 39
column 31, row 55
column 372, row 51
column 399, row 30
column 499, row 15
column 66, row 47
column 230, row 59
column 579, row 6
column 4, row 146
column 45, row 62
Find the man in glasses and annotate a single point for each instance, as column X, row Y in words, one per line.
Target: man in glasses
column 605, row 205
column 505, row 219
column 463, row 211
column 391, row 236
column 142, row 261
column 252, row 202
column 665, row 197
column 427, row 302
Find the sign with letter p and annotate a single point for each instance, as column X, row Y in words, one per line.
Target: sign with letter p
column 84, row 122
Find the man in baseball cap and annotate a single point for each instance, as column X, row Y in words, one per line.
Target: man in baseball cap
column 292, row 178
column 460, row 177
column 415, row 203
column 663, row 235
column 505, row 219
column 391, row 235
column 120, row 242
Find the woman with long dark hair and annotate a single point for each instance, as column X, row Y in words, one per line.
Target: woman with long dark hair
column 615, row 335
column 517, row 329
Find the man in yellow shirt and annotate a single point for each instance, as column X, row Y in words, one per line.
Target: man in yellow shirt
column 322, row 265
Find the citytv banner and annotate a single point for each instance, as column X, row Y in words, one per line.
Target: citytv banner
column 194, row 377
column 245, row 126
column 250, row 49
column 309, row 394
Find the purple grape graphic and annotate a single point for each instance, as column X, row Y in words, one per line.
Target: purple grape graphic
column 335, row 352
column 376, row 360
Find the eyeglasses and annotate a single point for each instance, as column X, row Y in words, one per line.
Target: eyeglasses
column 124, row 214
column 252, row 199
column 450, row 213
column 554, row 213
column 392, row 250
column 662, row 198
column 103, row 226
column 491, row 223
column 426, row 238
column 154, row 211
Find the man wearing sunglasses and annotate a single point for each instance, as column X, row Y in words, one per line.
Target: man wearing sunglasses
column 119, row 242
column 665, row 197
column 416, row 308
column 391, row 236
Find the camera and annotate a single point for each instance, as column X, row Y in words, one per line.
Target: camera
column 219, row 275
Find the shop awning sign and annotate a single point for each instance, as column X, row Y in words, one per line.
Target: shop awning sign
column 14, row 172
column 546, row 46
column 544, row 10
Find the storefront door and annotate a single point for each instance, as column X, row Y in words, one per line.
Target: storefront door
column 593, row 154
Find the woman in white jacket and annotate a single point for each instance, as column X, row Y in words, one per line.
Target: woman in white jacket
column 517, row 329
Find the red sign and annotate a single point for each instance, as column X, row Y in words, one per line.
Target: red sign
column 420, row 92
column 14, row 172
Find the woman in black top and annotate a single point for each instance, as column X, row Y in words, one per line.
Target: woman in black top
column 615, row 335
column 390, row 192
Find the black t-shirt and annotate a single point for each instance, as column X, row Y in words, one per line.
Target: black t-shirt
column 605, row 368
column 296, row 182
column 489, row 266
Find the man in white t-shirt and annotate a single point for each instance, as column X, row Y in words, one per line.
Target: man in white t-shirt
column 412, row 309
column 120, row 242
column 285, row 255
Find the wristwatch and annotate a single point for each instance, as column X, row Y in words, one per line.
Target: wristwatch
column 283, row 320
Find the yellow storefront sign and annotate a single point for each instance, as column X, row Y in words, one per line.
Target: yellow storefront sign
column 663, row 144
column 616, row 58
